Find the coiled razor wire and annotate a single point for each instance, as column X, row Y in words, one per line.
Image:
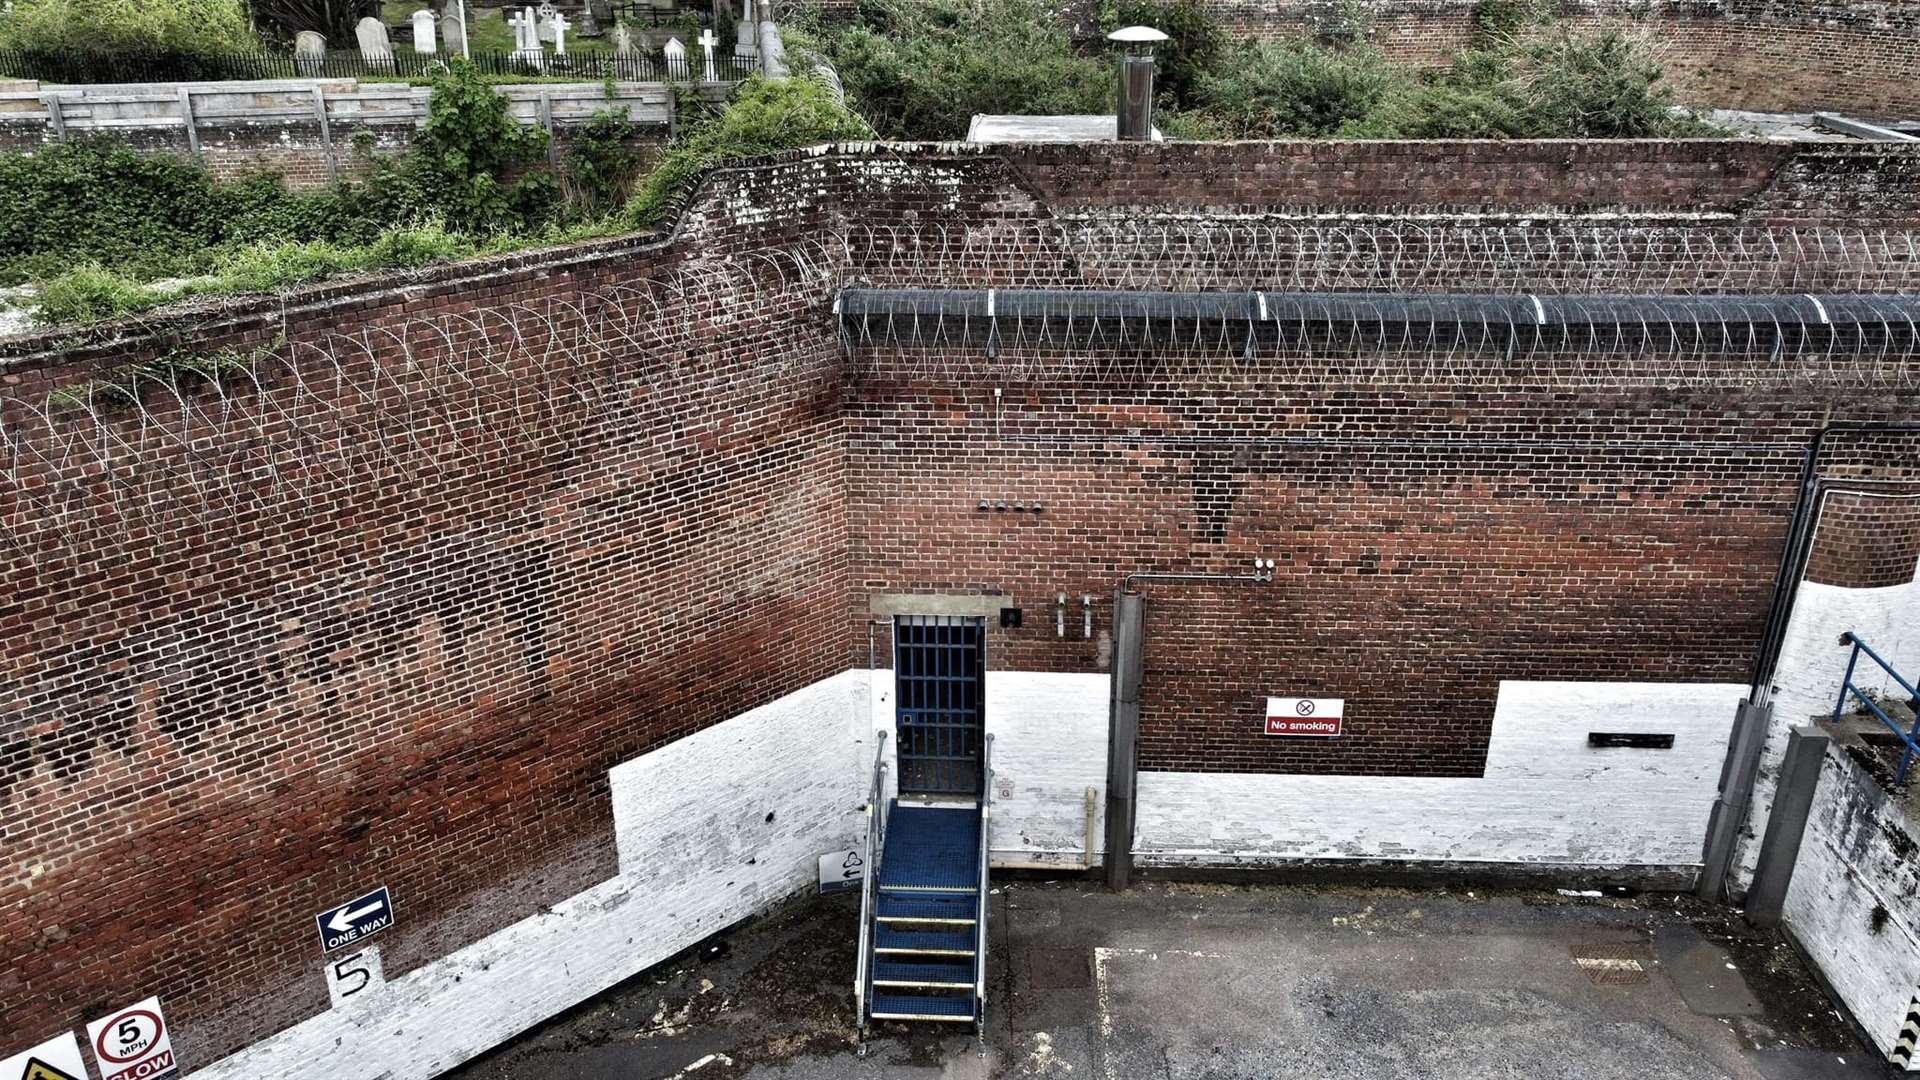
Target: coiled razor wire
column 1866, row 342
column 1316, row 254
column 409, row 399
column 412, row 398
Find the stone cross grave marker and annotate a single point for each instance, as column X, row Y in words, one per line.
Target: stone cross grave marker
column 424, row 39
column 707, row 42
column 375, row 48
column 560, row 27
column 547, row 14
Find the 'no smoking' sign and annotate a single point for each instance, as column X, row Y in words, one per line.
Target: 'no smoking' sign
column 133, row 1044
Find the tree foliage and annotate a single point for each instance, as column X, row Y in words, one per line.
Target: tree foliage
column 921, row 69
column 179, row 26
column 1293, row 88
column 335, row 19
column 767, row 117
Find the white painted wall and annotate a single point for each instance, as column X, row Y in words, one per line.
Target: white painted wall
column 1849, row 864
column 697, row 854
column 1546, row 796
column 1812, row 665
column 1049, row 746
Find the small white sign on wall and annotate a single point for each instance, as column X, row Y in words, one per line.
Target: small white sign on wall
column 133, row 1043
column 354, row 977
column 1319, row 718
column 842, row 870
column 56, row 1059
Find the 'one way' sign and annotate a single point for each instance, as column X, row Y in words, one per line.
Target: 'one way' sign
column 356, row 920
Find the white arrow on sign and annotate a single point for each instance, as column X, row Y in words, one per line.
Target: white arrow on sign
column 344, row 919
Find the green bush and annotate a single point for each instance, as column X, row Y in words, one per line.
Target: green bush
column 921, row 69
column 1601, row 86
column 766, row 118
column 473, row 156
column 182, row 26
column 89, row 292
column 1292, row 87
column 601, row 164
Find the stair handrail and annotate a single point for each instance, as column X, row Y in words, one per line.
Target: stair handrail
column 980, row 914
column 862, row 993
column 1909, row 737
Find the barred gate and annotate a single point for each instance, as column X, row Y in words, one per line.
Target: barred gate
column 939, row 665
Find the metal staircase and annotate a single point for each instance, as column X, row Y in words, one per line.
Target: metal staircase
column 923, row 908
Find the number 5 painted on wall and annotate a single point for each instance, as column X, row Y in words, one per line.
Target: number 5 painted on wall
column 353, row 974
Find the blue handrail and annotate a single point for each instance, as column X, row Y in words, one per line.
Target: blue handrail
column 1909, row 738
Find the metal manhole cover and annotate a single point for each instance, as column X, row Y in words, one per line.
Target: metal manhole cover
column 1613, row 963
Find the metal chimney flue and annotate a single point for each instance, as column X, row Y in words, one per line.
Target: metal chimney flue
column 1136, row 80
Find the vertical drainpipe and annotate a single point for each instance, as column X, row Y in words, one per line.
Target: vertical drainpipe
column 1123, row 732
column 1135, row 115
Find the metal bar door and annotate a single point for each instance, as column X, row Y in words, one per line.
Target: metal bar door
column 939, row 666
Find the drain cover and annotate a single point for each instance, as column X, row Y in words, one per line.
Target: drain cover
column 1613, row 963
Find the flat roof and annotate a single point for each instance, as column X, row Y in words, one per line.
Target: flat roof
column 1049, row 129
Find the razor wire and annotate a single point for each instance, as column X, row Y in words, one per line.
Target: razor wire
column 1290, row 253
column 1861, row 343
column 158, row 447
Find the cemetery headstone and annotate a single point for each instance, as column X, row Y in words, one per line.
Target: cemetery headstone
column 375, row 48
column 747, row 33
column 453, row 34
column 676, row 57
column 547, row 13
column 623, row 41
column 707, row 42
column 424, row 39
column 309, row 52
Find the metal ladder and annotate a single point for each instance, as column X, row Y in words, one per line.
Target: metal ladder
column 923, row 909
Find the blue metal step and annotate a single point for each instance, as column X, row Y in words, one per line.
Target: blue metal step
column 886, row 939
column 922, row 1007
column 931, row 849
column 953, row 908
column 950, row 976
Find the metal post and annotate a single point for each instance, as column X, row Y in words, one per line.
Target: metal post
column 546, row 121
column 56, row 117
column 1749, row 736
column 1792, row 802
column 326, row 134
column 1123, row 734
column 186, row 111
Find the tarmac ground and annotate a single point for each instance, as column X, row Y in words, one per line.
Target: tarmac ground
column 1186, row 981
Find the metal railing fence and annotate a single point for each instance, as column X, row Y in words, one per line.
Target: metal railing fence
column 78, row 66
column 1909, row 736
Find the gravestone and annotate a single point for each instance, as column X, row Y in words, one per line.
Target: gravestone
column 560, row 27
column 453, row 34
column 375, row 48
column 707, row 42
column 526, row 39
column 309, row 52
column 676, row 57
column 746, row 33
column 623, row 41
column 547, row 13
column 423, row 36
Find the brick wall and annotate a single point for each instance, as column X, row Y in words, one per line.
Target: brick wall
column 393, row 628
column 1866, row 542
column 386, row 607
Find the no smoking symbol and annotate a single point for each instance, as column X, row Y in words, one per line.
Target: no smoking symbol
column 1304, row 707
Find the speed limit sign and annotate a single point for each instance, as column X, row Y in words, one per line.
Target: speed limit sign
column 133, row 1044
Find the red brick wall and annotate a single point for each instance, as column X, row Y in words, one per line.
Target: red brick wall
column 395, row 629
column 582, row 514
column 1866, row 542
